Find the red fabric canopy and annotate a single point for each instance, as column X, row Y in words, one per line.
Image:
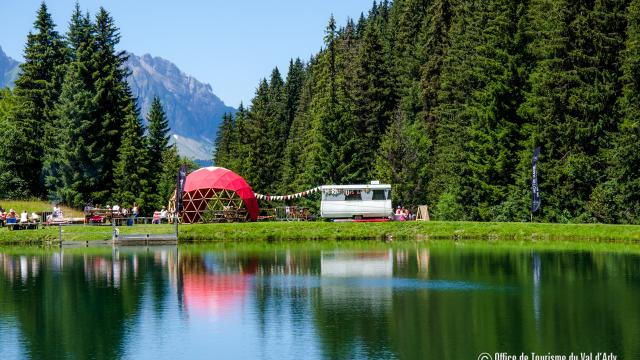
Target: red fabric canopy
column 220, row 178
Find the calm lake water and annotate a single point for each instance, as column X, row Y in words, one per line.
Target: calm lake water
column 411, row 302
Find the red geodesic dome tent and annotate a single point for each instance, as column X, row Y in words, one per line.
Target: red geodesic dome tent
column 213, row 186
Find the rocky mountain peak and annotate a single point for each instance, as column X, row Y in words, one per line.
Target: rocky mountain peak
column 8, row 69
column 192, row 108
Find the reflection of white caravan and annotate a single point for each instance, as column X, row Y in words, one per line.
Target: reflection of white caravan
column 356, row 201
column 357, row 264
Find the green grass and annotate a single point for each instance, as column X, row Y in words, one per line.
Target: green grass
column 519, row 234
column 409, row 230
column 37, row 206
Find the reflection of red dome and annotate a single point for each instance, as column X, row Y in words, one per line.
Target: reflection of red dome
column 211, row 183
column 212, row 293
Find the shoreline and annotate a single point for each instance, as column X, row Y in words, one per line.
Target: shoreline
column 524, row 233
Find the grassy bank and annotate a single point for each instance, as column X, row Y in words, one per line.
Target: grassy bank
column 278, row 231
column 37, row 206
column 409, row 230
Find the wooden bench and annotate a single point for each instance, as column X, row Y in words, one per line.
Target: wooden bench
column 23, row 226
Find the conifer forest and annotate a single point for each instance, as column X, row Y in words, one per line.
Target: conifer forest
column 71, row 132
column 444, row 99
column 447, row 99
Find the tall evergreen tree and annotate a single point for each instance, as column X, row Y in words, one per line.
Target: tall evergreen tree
column 166, row 186
column 11, row 186
column 36, row 89
column 73, row 170
column 319, row 160
column 573, row 89
column 131, row 171
column 455, row 113
column 293, row 89
column 618, row 199
column 112, row 97
column 401, row 158
column 157, row 135
column 157, row 144
column 257, row 146
column 374, row 98
column 494, row 136
column 225, row 138
column 294, row 153
column 240, row 145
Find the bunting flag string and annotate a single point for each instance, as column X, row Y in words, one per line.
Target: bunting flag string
column 287, row 197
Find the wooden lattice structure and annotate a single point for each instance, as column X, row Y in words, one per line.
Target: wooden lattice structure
column 210, row 205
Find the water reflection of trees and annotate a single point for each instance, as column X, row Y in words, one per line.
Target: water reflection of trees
column 79, row 306
column 70, row 306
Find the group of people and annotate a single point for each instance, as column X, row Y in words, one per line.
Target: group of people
column 160, row 216
column 11, row 217
column 403, row 214
column 115, row 209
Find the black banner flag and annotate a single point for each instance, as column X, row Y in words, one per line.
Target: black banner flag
column 535, row 191
column 182, row 177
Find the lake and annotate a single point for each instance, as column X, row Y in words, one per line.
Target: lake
column 353, row 301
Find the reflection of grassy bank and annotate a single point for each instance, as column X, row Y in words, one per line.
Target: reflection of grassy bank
column 444, row 245
column 474, row 245
column 511, row 233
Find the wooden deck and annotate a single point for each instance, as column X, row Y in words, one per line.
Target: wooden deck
column 146, row 239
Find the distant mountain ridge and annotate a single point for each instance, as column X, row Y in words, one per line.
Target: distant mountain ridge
column 193, row 110
column 8, row 69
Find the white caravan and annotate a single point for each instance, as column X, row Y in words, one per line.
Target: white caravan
column 356, row 201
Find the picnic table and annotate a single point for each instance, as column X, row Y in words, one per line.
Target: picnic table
column 100, row 216
column 296, row 213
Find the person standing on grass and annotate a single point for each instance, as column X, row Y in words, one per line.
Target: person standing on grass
column 163, row 214
column 135, row 211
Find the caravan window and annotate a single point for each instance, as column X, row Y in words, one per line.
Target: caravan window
column 353, row 195
column 379, row 195
column 327, row 196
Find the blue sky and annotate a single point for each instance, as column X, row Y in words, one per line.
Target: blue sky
column 228, row 44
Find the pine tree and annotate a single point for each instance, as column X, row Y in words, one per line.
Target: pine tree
column 80, row 35
column 573, row 89
column 240, row 145
column 37, row 89
column 157, row 144
column 493, row 133
column 618, row 199
column 112, row 97
column 374, row 99
column 455, row 113
column 73, row 170
column 225, row 139
column 400, row 160
column 294, row 153
column 293, row 88
column 131, row 171
column 256, row 144
column 166, row 186
column 320, row 163
column 157, row 136
column 277, row 122
column 11, row 186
